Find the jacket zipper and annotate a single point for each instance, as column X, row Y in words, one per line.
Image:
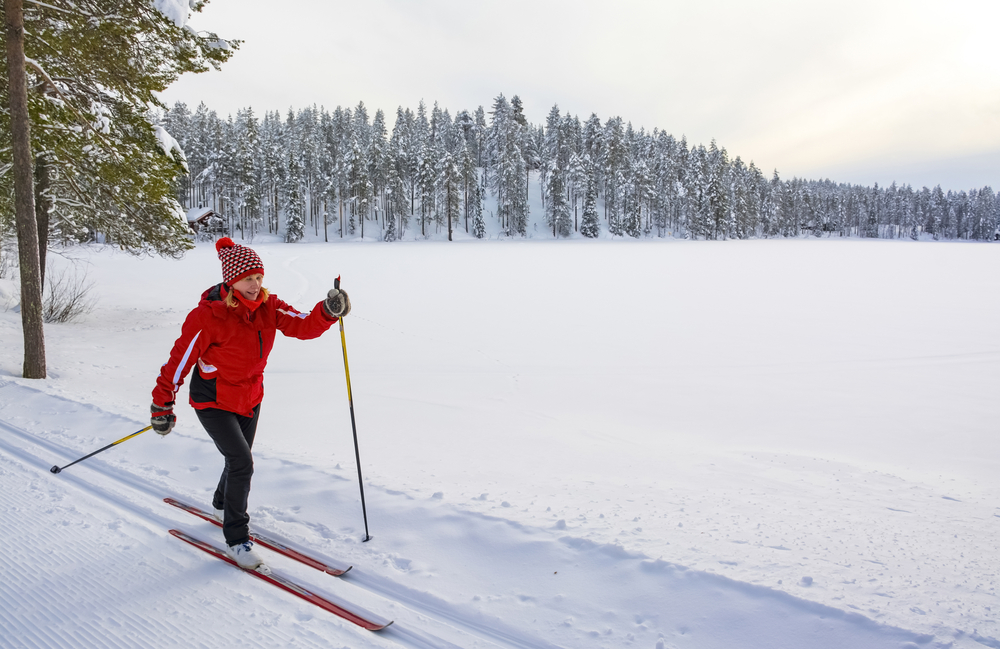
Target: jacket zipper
column 260, row 337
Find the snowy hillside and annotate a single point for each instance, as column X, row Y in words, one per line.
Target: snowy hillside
column 676, row 445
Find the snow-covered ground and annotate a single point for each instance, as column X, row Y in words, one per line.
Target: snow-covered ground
column 662, row 444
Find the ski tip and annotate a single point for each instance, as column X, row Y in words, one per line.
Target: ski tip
column 337, row 572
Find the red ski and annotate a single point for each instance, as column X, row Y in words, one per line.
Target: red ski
column 366, row 620
column 270, row 544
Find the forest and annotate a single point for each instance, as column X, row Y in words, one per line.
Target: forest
column 345, row 172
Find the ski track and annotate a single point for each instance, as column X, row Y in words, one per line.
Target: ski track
column 50, row 605
column 105, row 528
column 141, row 514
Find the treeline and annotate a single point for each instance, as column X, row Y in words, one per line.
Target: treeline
column 344, row 172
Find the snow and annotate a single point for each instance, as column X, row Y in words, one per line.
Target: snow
column 196, row 213
column 177, row 11
column 169, row 145
column 760, row 444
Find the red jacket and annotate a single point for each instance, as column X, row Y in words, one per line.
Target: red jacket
column 230, row 346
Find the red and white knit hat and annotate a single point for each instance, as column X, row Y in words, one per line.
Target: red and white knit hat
column 237, row 261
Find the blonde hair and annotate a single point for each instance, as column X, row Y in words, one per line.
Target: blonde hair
column 232, row 303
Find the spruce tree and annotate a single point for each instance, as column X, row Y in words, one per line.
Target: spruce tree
column 449, row 184
column 557, row 209
column 294, row 206
column 590, row 225
column 476, row 210
column 507, row 169
column 577, row 185
column 470, row 182
column 390, row 229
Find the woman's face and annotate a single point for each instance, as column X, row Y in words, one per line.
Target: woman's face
column 249, row 287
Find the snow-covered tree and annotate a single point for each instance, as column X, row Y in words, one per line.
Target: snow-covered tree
column 507, row 170
column 293, row 204
column 94, row 71
column 590, row 226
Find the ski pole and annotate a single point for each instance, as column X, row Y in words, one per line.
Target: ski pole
column 57, row 469
column 354, row 427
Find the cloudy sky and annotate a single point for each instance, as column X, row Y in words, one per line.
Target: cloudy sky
column 858, row 91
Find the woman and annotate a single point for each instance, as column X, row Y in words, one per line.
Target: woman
column 226, row 340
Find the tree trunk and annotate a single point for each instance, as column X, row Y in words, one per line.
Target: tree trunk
column 24, row 198
column 43, row 208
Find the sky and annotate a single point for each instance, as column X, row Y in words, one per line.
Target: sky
column 858, row 91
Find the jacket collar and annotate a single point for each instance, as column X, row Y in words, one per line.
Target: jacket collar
column 251, row 306
column 216, row 297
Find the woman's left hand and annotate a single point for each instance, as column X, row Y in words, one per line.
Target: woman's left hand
column 337, row 304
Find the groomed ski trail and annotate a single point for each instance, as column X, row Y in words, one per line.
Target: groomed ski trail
column 139, row 515
column 103, row 570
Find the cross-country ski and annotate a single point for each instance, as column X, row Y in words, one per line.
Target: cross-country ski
column 365, row 620
column 265, row 541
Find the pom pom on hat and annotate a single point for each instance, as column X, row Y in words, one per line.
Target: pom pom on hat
column 237, row 261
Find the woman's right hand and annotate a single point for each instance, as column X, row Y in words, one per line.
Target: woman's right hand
column 162, row 418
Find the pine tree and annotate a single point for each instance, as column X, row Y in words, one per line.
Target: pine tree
column 449, row 182
column 481, row 127
column 576, row 177
column 80, row 85
column 397, row 203
column 718, row 189
column 613, row 172
column 590, row 226
column 983, row 215
column 272, row 166
column 546, row 152
column 558, row 212
column 465, row 125
column 472, row 197
column 427, row 175
column 378, row 163
column 478, row 224
column 248, row 154
column 390, row 230
column 178, row 122
column 94, row 72
column 294, row 207
column 507, row 170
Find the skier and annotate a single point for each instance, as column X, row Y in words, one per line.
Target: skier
column 227, row 339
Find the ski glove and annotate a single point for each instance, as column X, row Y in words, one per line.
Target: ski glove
column 337, row 304
column 162, row 418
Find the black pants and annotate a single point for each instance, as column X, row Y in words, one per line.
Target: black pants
column 233, row 435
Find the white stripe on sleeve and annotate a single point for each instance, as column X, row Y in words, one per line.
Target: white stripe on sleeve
column 184, row 360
